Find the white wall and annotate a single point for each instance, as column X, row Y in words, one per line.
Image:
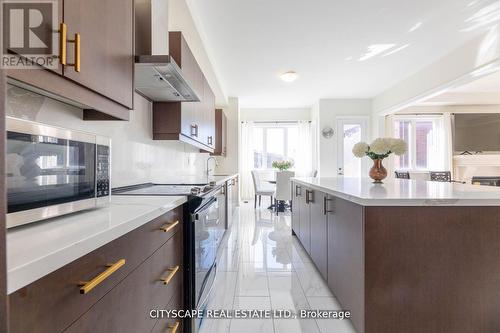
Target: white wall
column 136, row 158
column 329, row 110
column 272, row 114
column 181, row 19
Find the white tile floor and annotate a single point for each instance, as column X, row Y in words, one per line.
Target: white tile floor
column 262, row 266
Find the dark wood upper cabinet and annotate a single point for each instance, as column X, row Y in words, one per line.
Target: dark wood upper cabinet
column 107, row 62
column 180, row 51
column 220, row 147
column 190, row 122
column 104, row 86
column 208, row 112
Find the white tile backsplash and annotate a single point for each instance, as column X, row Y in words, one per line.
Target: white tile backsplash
column 136, row 157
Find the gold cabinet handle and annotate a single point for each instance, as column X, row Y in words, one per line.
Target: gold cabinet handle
column 169, row 226
column 170, row 275
column 77, row 42
column 173, row 328
column 86, row 287
column 63, row 33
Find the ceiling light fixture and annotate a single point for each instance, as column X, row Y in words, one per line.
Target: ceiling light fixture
column 289, row 76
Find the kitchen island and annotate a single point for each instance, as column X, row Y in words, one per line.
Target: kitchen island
column 404, row 256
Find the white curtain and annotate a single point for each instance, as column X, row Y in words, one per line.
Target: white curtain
column 436, row 151
column 304, row 163
column 389, row 132
column 448, row 139
column 314, row 146
column 246, row 160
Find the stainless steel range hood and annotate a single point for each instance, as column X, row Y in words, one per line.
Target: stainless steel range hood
column 160, row 79
column 157, row 76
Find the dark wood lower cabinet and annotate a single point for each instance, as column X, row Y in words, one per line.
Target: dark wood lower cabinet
column 166, row 325
column 346, row 257
column 296, row 209
column 235, row 183
column 432, row 269
column 305, row 219
column 318, row 226
column 126, row 308
column 54, row 302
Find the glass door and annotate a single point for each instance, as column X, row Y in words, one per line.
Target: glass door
column 350, row 131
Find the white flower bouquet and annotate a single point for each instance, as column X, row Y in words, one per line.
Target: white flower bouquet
column 380, row 148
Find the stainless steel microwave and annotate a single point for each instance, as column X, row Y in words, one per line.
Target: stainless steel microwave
column 53, row 171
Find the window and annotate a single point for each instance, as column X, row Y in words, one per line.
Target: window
column 426, row 144
column 274, row 143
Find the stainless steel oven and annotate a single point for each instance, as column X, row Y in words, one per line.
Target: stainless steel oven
column 53, row 171
column 209, row 228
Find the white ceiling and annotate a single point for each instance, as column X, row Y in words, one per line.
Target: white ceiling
column 251, row 42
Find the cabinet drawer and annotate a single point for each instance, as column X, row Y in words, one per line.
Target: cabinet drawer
column 167, row 325
column 126, row 308
column 55, row 301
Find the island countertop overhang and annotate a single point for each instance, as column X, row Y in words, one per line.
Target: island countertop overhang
column 403, row 192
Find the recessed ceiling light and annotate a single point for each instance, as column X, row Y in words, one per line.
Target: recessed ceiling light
column 289, row 76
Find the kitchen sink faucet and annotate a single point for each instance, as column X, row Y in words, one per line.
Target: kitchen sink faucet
column 216, row 164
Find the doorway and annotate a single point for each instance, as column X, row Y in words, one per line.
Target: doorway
column 351, row 131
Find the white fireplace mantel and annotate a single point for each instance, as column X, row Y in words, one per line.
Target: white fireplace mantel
column 481, row 165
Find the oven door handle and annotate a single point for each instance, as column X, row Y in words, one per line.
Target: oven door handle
column 207, row 205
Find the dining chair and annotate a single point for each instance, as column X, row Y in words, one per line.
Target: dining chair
column 283, row 188
column 402, row 174
column 440, row 176
column 262, row 187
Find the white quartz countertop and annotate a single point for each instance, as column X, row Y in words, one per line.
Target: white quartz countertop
column 404, row 192
column 194, row 179
column 38, row 249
